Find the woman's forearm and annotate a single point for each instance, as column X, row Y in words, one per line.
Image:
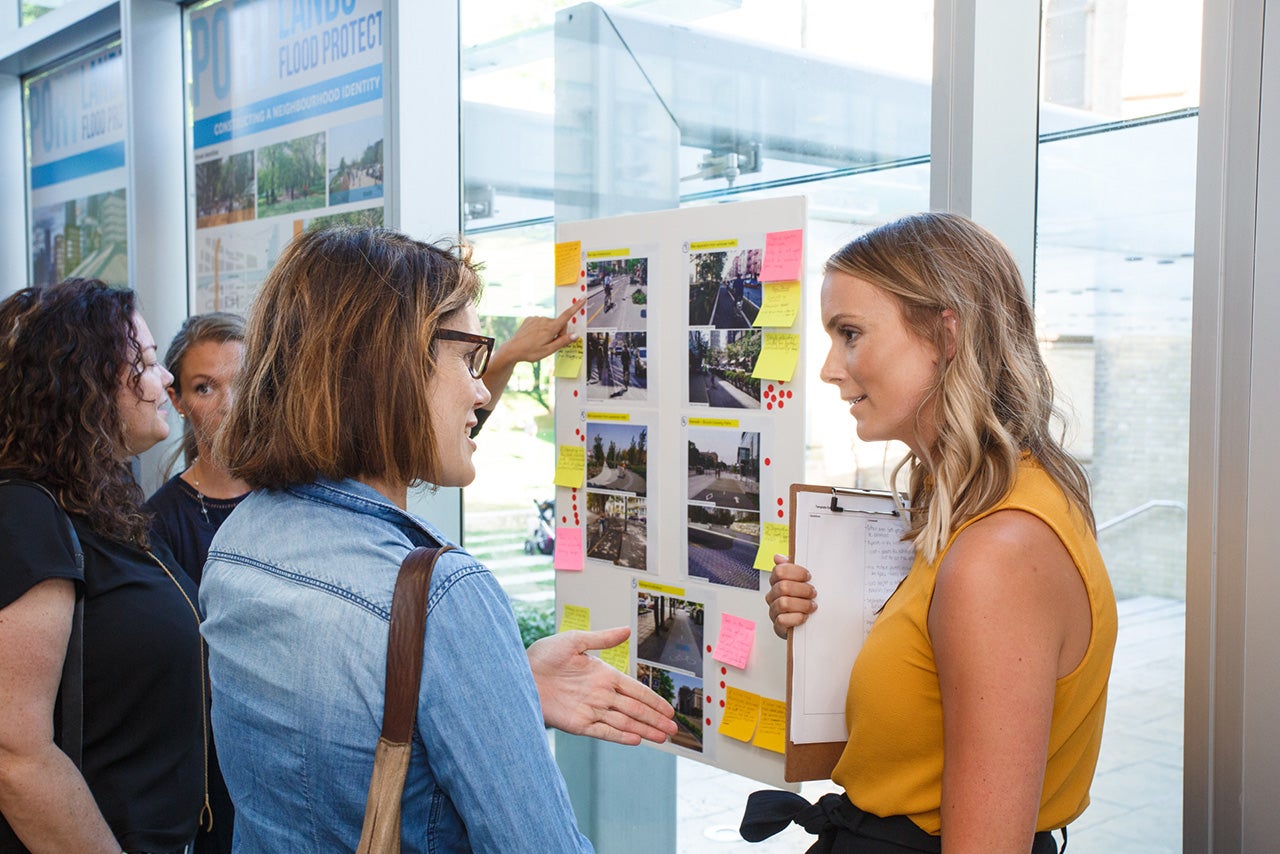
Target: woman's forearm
column 45, row 800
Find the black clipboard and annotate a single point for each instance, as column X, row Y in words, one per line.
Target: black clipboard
column 815, row 760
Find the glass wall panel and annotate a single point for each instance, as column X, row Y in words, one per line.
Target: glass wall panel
column 74, row 116
column 1115, row 230
column 591, row 110
column 31, row 10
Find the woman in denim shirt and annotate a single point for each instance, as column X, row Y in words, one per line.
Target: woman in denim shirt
column 362, row 377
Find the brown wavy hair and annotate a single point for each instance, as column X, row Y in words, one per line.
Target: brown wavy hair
column 994, row 398
column 339, row 359
column 63, row 353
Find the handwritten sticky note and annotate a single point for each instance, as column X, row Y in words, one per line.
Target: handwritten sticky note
column 569, row 360
column 741, row 713
column 778, row 356
column 737, row 634
column 569, row 554
column 571, row 466
column 782, row 253
column 775, row 539
column 618, row 656
column 779, row 305
column 772, row 734
column 575, row 617
column 568, row 262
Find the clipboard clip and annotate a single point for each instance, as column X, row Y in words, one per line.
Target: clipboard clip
column 836, row 508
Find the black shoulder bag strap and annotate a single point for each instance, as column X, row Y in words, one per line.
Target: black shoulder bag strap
column 71, row 693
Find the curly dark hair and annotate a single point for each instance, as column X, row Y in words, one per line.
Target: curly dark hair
column 63, row 351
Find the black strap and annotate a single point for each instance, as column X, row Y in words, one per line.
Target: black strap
column 71, row 692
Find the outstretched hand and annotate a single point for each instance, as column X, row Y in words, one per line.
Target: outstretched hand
column 537, row 337
column 791, row 597
column 582, row 695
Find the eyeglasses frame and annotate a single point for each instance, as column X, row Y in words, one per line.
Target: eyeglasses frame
column 481, row 341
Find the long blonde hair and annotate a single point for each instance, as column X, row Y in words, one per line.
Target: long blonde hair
column 993, row 399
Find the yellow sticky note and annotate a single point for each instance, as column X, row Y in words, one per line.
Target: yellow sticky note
column 779, row 305
column 569, row 360
column 778, row 356
column 571, row 466
column 618, row 656
column 772, row 734
column 775, row 539
column 568, row 262
column 575, row 617
column 741, row 712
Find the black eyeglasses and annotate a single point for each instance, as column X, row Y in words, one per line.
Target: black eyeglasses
column 478, row 358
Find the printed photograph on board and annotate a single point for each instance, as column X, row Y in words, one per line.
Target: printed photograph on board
column 684, row 693
column 617, row 366
column 617, row 529
column 617, row 457
column 617, row 293
column 669, row 631
column 86, row 238
column 291, row 176
column 724, row 467
column 723, row 545
column 724, row 288
column 720, row 367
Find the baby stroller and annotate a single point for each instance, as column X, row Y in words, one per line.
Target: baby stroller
column 541, row 538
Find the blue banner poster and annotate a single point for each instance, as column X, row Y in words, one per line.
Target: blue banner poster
column 284, row 132
column 75, row 120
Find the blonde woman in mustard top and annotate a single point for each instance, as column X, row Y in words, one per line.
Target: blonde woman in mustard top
column 975, row 707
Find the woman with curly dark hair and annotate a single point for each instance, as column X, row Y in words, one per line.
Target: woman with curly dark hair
column 81, row 391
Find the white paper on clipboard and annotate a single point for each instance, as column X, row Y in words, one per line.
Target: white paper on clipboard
column 857, row 560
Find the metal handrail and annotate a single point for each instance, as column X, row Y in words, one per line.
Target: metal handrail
column 1142, row 508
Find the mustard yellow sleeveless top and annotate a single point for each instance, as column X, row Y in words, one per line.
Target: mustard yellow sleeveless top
column 892, row 763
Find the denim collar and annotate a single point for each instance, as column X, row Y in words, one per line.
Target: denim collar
column 358, row 497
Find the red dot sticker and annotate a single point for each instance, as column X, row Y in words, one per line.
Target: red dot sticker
column 708, row 698
column 781, row 403
column 573, row 320
column 575, row 300
column 708, row 647
column 779, row 514
column 581, row 273
column 770, row 388
column 575, row 507
column 779, row 502
column 584, row 287
column 722, row 704
column 708, row 721
column 575, row 392
column 721, row 685
column 767, row 461
column 584, row 311
column 564, row 520
column 768, row 406
column 577, row 432
column 724, row 671
column 788, row 395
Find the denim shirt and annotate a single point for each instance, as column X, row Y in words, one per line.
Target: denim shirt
column 297, row 596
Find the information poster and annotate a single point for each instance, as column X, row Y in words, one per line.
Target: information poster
column 679, row 432
column 75, row 118
column 285, row 131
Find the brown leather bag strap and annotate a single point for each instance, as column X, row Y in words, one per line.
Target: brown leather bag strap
column 380, row 833
column 404, row 643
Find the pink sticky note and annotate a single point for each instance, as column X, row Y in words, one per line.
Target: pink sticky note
column 782, row 253
column 569, row 549
column 736, row 637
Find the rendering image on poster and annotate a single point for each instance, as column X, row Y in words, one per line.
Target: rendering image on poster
column 85, row 237
column 225, row 190
column 617, row 293
column 669, row 631
column 724, row 288
column 355, row 162
column 291, row 176
column 724, row 467
column 617, row 529
column 720, row 366
column 684, row 693
column 617, row 366
column 617, row 457
column 723, row 545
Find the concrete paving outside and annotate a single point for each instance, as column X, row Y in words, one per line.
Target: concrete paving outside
column 1137, row 791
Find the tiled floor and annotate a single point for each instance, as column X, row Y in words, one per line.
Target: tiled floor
column 1137, row 791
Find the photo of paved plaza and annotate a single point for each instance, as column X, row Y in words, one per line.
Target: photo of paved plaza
column 617, row 529
column 723, row 545
column 724, row 467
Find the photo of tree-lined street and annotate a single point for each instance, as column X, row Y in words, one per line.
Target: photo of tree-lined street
column 684, row 693
column 617, row 529
column 724, row 289
column 617, row 457
column 224, row 190
column 355, row 162
column 720, row 367
column 618, row 294
column 291, row 176
column 669, row 631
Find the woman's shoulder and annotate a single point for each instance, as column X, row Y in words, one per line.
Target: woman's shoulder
column 35, row 543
